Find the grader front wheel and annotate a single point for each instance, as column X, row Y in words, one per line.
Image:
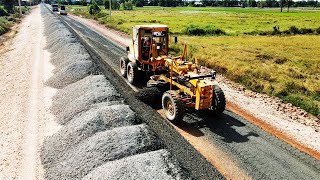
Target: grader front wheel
column 123, row 66
column 132, row 73
column 218, row 101
column 172, row 107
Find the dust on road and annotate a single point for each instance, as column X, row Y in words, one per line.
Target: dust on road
column 25, row 118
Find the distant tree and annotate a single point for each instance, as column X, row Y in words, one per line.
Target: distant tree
column 128, row 5
column 115, row 5
column 252, row 3
column 94, row 8
column 140, row 3
column 8, row 5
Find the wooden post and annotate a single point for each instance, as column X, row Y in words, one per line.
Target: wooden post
column 20, row 8
column 110, row 11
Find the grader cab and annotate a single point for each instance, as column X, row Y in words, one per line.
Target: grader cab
column 182, row 83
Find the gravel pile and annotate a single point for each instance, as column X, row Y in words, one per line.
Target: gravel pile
column 151, row 165
column 95, row 120
column 98, row 127
column 86, row 102
column 83, row 95
column 100, row 148
column 77, row 89
column 70, row 74
column 70, row 58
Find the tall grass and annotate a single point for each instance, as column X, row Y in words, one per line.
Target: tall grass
column 286, row 67
column 5, row 24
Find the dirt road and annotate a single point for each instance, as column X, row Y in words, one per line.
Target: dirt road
column 25, row 118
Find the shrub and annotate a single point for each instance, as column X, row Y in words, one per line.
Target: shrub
column 102, row 14
column 317, row 30
column 84, row 3
column 207, row 30
column 114, row 5
column 77, row 3
column 306, row 31
column 128, row 5
column 94, row 8
column 294, row 30
column 5, row 25
column 3, row 11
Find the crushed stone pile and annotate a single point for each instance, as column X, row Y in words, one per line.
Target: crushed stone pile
column 151, row 165
column 70, row 58
column 95, row 120
column 82, row 96
column 86, row 102
column 70, row 74
column 98, row 128
column 71, row 92
column 100, row 148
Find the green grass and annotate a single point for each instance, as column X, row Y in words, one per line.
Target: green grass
column 233, row 21
column 6, row 22
column 284, row 66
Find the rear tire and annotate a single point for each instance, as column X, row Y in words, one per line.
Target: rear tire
column 218, row 101
column 132, row 73
column 123, row 66
column 172, row 107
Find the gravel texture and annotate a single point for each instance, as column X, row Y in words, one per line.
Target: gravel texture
column 151, row 165
column 100, row 148
column 70, row 74
column 97, row 126
column 82, row 96
column 95, row 120
column 66, row 95
column 69, row 56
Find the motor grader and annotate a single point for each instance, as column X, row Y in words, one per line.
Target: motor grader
column 182, row 83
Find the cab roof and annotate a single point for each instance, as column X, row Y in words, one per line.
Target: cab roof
column 151, row 26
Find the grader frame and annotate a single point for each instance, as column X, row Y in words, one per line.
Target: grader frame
column 182, row 84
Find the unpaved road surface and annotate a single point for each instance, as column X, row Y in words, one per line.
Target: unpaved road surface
column 25, row 118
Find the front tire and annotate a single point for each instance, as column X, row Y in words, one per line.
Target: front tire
column 218, row 101
column 123, row 66
column 132, row 73
column 172, row 107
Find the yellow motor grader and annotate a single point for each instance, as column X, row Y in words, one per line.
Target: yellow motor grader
column 182, row 83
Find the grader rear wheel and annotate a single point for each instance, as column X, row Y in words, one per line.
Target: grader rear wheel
column 172, row 107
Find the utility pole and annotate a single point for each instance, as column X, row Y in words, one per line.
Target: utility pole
column 110, row 11
column 20, row 8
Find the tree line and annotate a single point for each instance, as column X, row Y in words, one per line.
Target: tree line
column 217, row 3
column 202, row 3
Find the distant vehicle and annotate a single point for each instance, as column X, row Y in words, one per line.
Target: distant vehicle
column 63, row 10
column 55, row 7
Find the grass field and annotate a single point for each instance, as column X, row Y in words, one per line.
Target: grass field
column 284, row 66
